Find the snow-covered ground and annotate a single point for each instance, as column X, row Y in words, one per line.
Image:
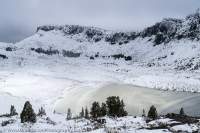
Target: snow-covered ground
column 28, row 73
column 44, row 78
column 129, row 124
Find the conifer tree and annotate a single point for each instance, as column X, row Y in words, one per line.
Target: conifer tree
column 143, row 113
column 113, row 105
column 41, row 112
column 86, row 113
column 103, row 110
column 82, row 114
column 13, row 111
column 122, row 111
column 69, row 114
column 152, row 112
column 95, row 110
column 27, row 114
column 116, row 107
column 182, row 112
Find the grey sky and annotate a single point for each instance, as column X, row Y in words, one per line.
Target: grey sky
column 19, row 18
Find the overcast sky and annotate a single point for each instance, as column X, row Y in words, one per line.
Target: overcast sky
column 20, row 18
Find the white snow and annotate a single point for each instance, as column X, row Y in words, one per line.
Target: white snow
column 43, row 79
column 57, row 123
column 185, row 128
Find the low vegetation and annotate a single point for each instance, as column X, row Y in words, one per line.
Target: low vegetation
column 113, row 109
column 70, row 54
column 49, row 51
column 115, row 56
column 3, row 56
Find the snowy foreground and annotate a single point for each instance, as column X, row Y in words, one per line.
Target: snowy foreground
column 129, row 124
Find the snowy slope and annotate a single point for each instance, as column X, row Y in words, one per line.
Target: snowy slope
column 58, row 58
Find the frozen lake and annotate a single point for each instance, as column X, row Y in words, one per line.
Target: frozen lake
column 136, row 99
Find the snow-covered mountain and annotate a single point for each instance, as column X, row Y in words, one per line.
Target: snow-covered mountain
column 72, row 58
column 170, row 43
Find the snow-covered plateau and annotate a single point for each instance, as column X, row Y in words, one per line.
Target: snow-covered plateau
column 60, row 59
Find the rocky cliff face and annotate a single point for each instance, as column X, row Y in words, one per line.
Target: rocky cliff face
column 162, row 32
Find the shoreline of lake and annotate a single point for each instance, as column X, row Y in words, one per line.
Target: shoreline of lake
column 136, row 99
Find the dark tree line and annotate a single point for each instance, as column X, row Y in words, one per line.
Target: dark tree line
column 153, row 114
column 115, row 107
column 112, row 107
